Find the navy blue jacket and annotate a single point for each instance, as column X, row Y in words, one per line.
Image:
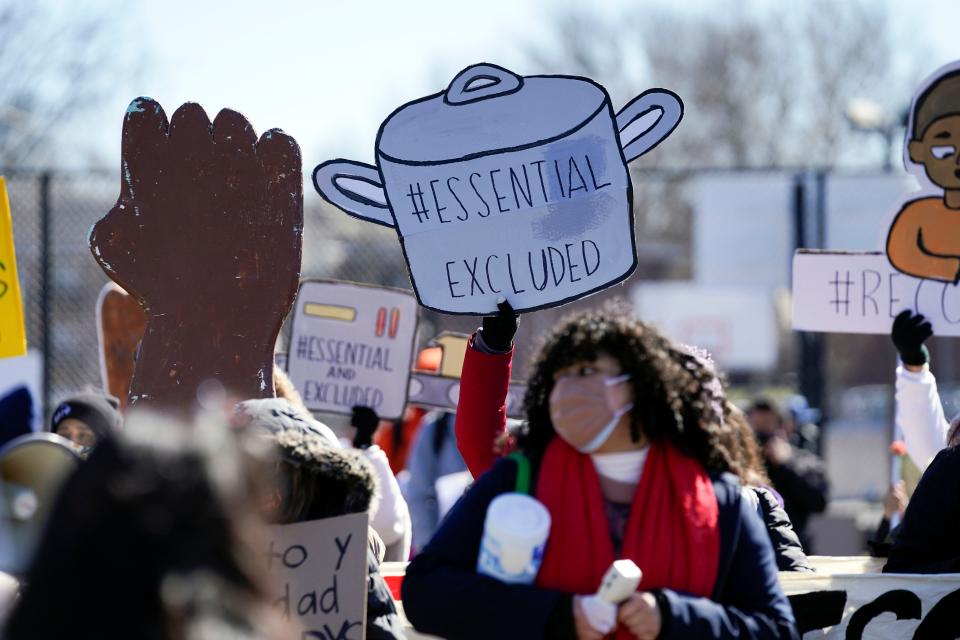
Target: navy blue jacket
column 443, row 594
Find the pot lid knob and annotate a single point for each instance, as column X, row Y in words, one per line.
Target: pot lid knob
column 481, row 81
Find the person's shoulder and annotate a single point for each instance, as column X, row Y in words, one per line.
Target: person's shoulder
column 947, row 458
column 727, row 488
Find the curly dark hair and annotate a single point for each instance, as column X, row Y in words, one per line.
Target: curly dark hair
column 677, row 396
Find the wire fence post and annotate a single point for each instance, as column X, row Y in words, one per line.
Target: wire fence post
column 45, row 288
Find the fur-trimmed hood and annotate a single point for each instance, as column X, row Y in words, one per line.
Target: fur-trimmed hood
column 321, row 478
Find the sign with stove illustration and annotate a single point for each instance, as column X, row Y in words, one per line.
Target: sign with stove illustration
column 352, row 344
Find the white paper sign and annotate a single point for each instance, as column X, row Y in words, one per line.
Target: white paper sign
column 507, row 186
column 352, row 344
column 842, row 292
column 319, row 571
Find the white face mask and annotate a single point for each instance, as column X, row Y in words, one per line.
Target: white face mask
column 581, row 411
column 624, row 467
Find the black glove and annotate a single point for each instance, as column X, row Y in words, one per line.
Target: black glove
column 908, row 334
column 498, row 330
column 365, row 421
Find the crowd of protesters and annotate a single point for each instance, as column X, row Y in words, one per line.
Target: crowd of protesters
column 628, row 441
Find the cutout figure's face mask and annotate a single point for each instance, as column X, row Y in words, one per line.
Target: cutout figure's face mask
column 588, row 402
column 939, row 152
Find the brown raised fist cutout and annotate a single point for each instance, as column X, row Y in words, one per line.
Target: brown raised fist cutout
column 207, row 235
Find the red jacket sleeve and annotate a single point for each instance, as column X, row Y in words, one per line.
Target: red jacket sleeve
column 482, row 410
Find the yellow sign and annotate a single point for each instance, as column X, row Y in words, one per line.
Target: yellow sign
column 13, row 338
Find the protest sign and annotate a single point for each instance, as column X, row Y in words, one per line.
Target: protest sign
column 442, row 390
column 13, row 336
column 207, row 235
column 319, row 571
column 861, row 293
column 352, row 344
column 919, row 266
column 924, row 237
column 874, row 606
column 505, row 186
column 120, row 326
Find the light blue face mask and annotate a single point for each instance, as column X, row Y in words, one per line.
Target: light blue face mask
column 604, row 434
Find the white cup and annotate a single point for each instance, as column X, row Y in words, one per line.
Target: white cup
column 514, row 536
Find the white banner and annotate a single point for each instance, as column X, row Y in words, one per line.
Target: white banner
column 843, row 292
column 873, row 606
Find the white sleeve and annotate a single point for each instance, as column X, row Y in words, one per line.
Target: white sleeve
column 392, row 518
column 919, row 415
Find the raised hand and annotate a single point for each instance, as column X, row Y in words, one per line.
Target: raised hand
column 498, row 330
column 207, row 235
column 909, row 332
column 365, row 422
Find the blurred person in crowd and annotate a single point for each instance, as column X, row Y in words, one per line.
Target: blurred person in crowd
column 894, row 506
column 918, row 412
column 803, row 427
column 392, row 517
column 16, row 414
column 155, row 536
column 86, row 418
column 623, row 447
column 788, row 550
column 316, row 479
column 396, row 438
column 283, row 388
column 797, row 475
column 925, row 540
column 434, row 459
column 388, row 515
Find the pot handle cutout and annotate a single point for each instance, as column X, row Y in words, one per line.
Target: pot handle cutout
column 481, row 81
column 354, row 187
column 647, row 120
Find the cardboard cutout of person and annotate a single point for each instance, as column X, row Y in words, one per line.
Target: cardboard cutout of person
column 924, row 239
column 207, row 235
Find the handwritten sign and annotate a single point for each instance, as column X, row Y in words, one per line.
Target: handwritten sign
column 319, row 569
column 442, row 390
column 352, row 344
column 13, row 336
column 507, row 186
column 861, row 293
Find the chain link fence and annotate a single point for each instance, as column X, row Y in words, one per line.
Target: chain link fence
column 53, row 214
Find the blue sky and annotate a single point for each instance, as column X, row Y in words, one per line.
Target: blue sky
column 329, row 72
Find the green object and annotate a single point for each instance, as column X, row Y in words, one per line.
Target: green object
column 523, row 472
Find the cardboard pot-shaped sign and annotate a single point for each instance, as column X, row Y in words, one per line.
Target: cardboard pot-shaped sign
column 507, row 186
column 207, row 236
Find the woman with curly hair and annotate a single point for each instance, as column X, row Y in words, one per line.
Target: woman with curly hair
column 625, row 447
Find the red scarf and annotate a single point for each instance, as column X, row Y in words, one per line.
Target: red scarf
column 672, row 532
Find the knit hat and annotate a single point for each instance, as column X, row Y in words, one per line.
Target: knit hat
column 98, row 411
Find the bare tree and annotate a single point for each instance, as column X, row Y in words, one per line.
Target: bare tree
column 763, row 85
column 56, row 60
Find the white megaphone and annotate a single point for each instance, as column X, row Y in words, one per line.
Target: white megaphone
column 33, row 469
